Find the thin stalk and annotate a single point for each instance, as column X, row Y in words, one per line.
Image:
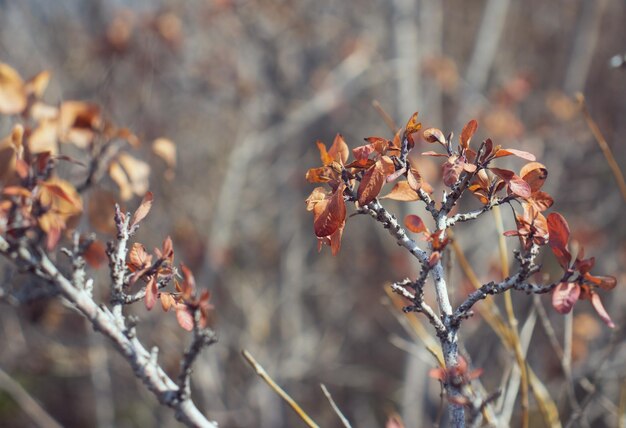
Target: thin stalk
column 510, row 312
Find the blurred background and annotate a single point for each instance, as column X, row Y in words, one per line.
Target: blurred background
column 243, row 89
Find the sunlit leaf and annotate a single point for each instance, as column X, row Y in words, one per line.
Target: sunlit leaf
column 184, row 316
column 468, row 131
column 143, row 210
column 434, row 135
column 329, row 214
column 559, row 235
column 519, row 153
column 12, row 93
column 402, row 191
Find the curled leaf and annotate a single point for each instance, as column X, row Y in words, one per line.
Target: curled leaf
column 564, row 296
column 329, row 214
column 434, row 135
column 599, row 307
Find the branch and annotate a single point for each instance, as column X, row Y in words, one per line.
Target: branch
column 103, row 320
column 472, row 215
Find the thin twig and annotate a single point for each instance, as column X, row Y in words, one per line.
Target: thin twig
column 29, row 405
column 343, row 419
column 604, row 146
column 281, row 392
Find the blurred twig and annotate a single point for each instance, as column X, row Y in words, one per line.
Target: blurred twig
column 343, row 419
column 508, row 302
column 28, row 404
column 281, row 392
column 604, row 146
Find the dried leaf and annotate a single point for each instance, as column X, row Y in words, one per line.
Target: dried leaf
column 467, row 133
column 604, row 282
column 535, row 174
column 184, row 317
column 166, row 150
column 152, row 293
column 415, row 224
column 374, row 179
column 402, row 191
column 411, row 127
column 451, row 170
column 434, row 135
column 559, row 235
column 143, row 210
column 519, row 187
column 78, row 122
column 339, row 151
column 38, row 84
column 12, row 93
column 564, row 296
column 329, row 214
column 101, row 211
column 599, row 307
column 95, row 254
column 138, row 257
column 519, row 153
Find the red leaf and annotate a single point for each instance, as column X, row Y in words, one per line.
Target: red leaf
column 414, row 224
column 467, row 133
column 329, row 214
column 184, row 317
column 189, row 284
column 597, row 305
column 559, row 234
column 452, row 170
column 519, row 187
column 564, row 296
column 152, row 293
column 143, row 210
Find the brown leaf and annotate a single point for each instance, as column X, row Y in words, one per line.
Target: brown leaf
column 434, row 135
column 339, row 151
column 415, row 224
column 189, row 282
column 166, row 150
column 12, row 93
column 322, row 174
column 329, row 214
column 95, row 254
column 78, row 122
column 138, row 257
column 519, row 187
column 468, row 131
column 38, row 84
column 599, row 307
column 374, row 179
column 519, row 153
column 101, row 211
column 184, row 316
column 143, row 210
column 152, row 293
column 411, row 127
column 559, row 235
column 452, row 170
column 535, row 174
column 564, row 296
column 402, row 191
column 167, row 301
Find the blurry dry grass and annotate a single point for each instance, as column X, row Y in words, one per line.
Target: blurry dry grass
column 244, row 89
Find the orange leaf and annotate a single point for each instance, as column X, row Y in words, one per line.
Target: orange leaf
column 534, row 174
column 411, row 127
column 519, row 153
column 329, row 214
column 402, row 191
column 414, row 224
column 467, row 133
column 95, row 254
column 339, row 151
column 374, row 179
column 12, row 93
column 143, row 210
column 434, row 135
